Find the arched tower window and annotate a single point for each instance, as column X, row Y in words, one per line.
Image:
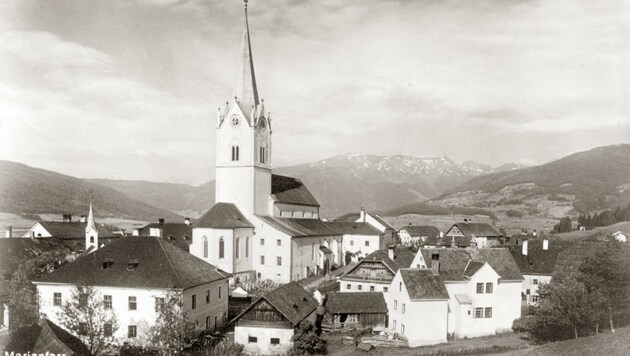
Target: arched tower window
column 205, row 247
column 247, row 247
column 221, row 248
column 91, row 239
column 235, row 153
column 237, row 247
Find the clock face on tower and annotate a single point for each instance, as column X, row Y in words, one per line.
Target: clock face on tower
column 234, row 120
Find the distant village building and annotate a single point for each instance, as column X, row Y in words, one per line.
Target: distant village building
column 415, row 234
column 179, row 234
column 133, row 275
column 484, row 288
column 81, row 236
column 267, row 325
column 536, row 260
column 479, row 235
column 376, row 272
column 418, row 307
column 14, row 252
column 355, row 310
column 620, row 236
column 359, row 239
column 268, row 225
column 373, row 219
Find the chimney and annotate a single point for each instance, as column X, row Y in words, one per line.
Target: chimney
column 435, row 263
column 187, row 221
column 9, row 232
column 161, row 221
column 545, row 244
column 362, row 215
column 390, row 252
column 441, row 234
column 524, row 250
column 465, row 220
column 67, row 217
column 535, row 233
column 83, row 218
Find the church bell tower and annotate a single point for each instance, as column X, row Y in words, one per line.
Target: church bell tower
column 243, row 162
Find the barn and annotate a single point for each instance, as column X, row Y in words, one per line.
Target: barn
column 355, row 310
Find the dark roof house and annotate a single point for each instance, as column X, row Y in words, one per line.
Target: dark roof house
column 422, row 284
column 453, row 263
column 475, row 230
column 355, row 303
column 56, row 341
column 538, row 261
column 421, row 231
column 180, row 234
column 353, row 228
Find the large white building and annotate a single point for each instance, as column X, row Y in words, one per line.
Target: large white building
column 132, row 275
column 262, row 226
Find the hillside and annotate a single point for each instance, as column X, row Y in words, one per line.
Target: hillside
column 24, row 189
column 596, row 178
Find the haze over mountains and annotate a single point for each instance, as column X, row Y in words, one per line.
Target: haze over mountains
column 596, row 179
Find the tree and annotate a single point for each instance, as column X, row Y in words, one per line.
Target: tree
column 86, row 315
column 23, row 298
column 173, row 330
column 563, row 226
column 307, row 342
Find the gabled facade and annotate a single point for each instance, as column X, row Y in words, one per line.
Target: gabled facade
column 481, row 235
column 267, row 325
column 376, row 271
column 416, row 234
column 359, row 239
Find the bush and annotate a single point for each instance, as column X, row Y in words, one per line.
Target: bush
column 514, row 213
column 523, row 324
column 307, row 342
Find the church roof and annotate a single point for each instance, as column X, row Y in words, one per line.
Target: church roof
column 291, row 190
column 73, row 230
column 157, row 264
column 300, row 227
column 223, row 216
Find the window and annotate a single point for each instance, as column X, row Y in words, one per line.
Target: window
column 262, row 260
column 247, row 247
column 279, row 242
column 359, row 287
column 399, row 286
column 395, row 304
column 221, row 248
column 534, row 299
column 402, row 329
column 478, row 313
column 132, row 331
column 279, row 260
column 236, row 248
column 207, row 322
column 394, row 324
column 57, row 299
column 403, row 308
column 349, row 286
column 107, row 301
column 367, row 243
column 107, row 330
column 252, row 339
column 351, row 242
column 527, row 291
column 208, row 296
column 91, row 239
column 219, row 292
column 479, row 288
column 275, row 341
column 489, row 288
column 262, row 242
column 488, row 313
column 194, row 301
column 262, row 155
column 159, row 304
column 535, row 281
column 385, row 289
column 82, row 328
column 371, row 288
column 235, row 153
column 132, row 303
column 205, row 247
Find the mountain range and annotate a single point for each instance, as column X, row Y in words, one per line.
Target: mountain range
column 593, row 179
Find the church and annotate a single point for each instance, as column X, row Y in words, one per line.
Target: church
column 263, row 226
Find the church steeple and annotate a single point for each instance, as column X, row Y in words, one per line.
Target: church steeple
column 91, row 224
column 245, row 91
column 91, row 232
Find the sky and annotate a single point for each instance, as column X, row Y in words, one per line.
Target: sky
column 125, row 89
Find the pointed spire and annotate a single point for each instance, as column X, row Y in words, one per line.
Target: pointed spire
column 91, row 224
column 246, row 92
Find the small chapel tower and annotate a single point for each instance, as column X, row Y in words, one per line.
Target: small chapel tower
column 91, row 232
column 243, row 162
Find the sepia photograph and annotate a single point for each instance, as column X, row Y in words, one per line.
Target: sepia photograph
column 324, row 177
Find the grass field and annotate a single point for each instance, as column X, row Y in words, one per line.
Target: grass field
column 600, row 231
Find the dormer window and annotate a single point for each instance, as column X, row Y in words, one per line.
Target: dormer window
column 108, row 263
column 131, row 265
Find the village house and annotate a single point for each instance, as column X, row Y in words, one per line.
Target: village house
column 133, row 275
column 359, row 239
column 274, row 230
column 80, row 236
column 620, row 236
column 179, row 234
column 468, row 234
column 268, row 324
column 484, row 288
column 376, row 272
column 355, row 310
column 373, row 219
column 536, row 260
column 418, row 307
column 416, row 234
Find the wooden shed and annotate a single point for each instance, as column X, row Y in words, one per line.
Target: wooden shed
column 355, row 310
